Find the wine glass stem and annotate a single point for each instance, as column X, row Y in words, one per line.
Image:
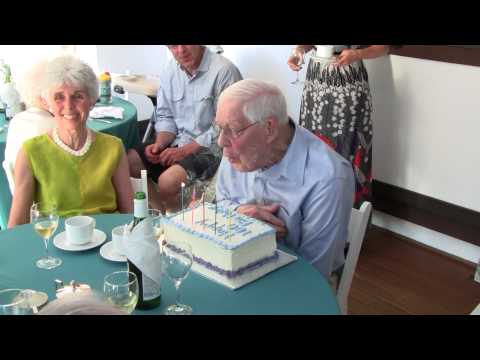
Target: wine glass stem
column 46, row 246
column 177, row 292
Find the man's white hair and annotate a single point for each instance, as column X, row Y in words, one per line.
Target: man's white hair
column 260, row 100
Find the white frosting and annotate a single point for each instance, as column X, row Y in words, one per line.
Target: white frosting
column 237, row 240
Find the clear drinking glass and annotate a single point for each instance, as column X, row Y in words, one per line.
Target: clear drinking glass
column 44, row 219
column 121, row 290
column 299, row 57
column 177, row 257
column 15, row 302
column 156, row 216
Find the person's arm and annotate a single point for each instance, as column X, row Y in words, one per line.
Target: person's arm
column 295, row 60
column 349, row 56
column 164, row 120
column 227, row 76
column 123, row 186
column 226, row 198
column 24, row 190
column 153, row 151
column 165, row 128
column 304, row 48
column 325, row 224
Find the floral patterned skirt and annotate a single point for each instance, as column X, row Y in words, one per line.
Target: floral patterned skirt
column 336, row 106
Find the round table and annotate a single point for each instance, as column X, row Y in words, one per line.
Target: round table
column 297, row 288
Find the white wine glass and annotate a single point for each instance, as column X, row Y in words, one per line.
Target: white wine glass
column 177, row 257
column 298, row 56
column 156, row 217
column 121, row 290
column 16, row 302
column 44, row 219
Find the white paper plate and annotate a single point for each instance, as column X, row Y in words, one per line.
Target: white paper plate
column 107, row 251
column 60, row 241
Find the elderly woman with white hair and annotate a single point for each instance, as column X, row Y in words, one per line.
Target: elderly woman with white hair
column 34, row 121
column 71, row 166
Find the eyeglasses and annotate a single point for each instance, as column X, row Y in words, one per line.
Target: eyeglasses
column 232, row 134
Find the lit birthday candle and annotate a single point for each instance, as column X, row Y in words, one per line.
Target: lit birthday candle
column 193, row 205
column 183, row 210
column 203, row 210
column 229, row 221
column 215, row 225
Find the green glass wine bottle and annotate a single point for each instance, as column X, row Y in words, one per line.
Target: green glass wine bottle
column 148, row 290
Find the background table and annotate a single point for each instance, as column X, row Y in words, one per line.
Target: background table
column 297, row 288
column 126, row 129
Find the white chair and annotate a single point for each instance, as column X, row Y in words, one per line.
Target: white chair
column 356, row 232
column 476, row 311
column 139, row 84
column 8, row 167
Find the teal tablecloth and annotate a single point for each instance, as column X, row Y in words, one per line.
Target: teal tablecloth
column 297, row 288
column 126, row 129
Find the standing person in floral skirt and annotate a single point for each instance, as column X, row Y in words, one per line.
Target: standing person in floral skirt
column 336, row 105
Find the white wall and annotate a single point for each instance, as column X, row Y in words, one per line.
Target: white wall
column 139, row 59
column 426, row 127
column 269, row 62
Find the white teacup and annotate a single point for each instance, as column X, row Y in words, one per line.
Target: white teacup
column 325, row 51
column 117, row 239
column 79, row 229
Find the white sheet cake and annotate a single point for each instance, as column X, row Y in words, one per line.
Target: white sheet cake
column 237, row 244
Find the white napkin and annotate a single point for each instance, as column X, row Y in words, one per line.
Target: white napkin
column 142, row 249
column 107, row 111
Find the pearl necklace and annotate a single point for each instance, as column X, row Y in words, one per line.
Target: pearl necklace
column 80, row 152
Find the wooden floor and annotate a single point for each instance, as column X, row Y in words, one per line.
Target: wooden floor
column 397, row 276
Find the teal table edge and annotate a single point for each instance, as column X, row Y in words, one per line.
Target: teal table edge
column 295, row 289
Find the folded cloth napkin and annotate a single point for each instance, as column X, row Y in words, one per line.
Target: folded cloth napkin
column 142, row 249
column 107, row 111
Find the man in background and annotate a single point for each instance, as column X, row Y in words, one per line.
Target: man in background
column 185, row 147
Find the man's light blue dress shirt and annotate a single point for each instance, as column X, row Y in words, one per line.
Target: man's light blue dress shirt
column 315, row 188
column 186, row 105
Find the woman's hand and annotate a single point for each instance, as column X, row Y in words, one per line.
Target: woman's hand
column 347, row 57
column 295, row 60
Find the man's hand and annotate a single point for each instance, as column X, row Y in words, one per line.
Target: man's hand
column 265, row 213
column 347, row 57
column 171, row 156
column 152, row 153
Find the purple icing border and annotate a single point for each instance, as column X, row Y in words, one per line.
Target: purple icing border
column 230, row 273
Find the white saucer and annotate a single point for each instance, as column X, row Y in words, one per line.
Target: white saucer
column 107, row 251
column 60, row 241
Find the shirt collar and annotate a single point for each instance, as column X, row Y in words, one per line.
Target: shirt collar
column 292, row 166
